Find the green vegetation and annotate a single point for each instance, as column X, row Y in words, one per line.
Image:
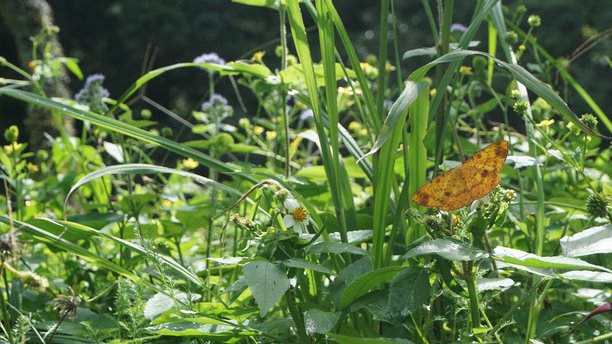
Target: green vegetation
column 296, row 224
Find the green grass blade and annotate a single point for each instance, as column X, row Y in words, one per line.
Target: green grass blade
column 44, row 235
column 145, row 169
column 123, row 128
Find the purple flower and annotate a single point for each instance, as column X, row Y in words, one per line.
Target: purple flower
column 92, row 93
column 215, row 101
column 209, row 58
column 458, row 27
column 306, row 114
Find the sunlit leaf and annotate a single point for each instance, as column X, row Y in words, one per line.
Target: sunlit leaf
column 318, row 321
column 267, row 282
column 590, row 241
column 447, row 248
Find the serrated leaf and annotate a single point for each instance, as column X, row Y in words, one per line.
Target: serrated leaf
column 590, row 241
column 318, row 321
column 518, row 257
column 267, row 283
column 306, row 264
column 450, row 249
column 408, row 291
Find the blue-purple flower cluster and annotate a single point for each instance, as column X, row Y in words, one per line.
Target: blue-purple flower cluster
column 92, row 93
column 209, row 58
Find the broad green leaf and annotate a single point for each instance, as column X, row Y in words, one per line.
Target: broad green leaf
column 520, row 161
column 409, row 290
column 366, row 282
column 306, row 264
column 450, row 249
column 344, row 339
column 267, row 283
column 536, row 271
column 203, row 327
column 334, row 247
column 160, row 303
column 494, row 284
column 590, row 241
column 589, row 276
column 518, row 257
column 318, row 321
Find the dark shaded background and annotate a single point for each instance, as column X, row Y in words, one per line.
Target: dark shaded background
column 112, row 36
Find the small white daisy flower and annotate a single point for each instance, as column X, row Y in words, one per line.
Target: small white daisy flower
column 297, row 216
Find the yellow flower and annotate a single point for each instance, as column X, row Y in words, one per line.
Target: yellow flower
column 258, row 130
column 354, row 126
column 166, row 203
column 465, row 70
column 12, row 147
column 545, row 123
column 190, row 164
column 258, row 56
column 271, row 135
column 32, row 168
column 433, row 92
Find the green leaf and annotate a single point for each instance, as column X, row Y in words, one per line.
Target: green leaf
column 588, row 276
column 204, row 327
column 397, row 113
column 590, row 241
column 255, row 69
column 109, row 123
column 334, row 247
column 159, row 303
column 306, row 264
column 344, row 339
column 450, row 249
column 409, row 290
column 47, row 237
column 72, row 65
column 485, row 284
column 267, row 283
column 366, row 282
column 521, row 75
column 145, row 169
column 318, row 321
column 521, row 160
column 518, row 257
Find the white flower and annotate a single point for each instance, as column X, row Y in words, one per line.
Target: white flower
column 297, row 216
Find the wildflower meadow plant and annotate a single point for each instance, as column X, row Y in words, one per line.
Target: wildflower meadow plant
column 93, row 93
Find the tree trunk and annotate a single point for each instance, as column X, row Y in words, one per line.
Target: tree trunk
column 26, row 19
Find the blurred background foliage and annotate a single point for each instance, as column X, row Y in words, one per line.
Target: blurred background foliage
column 114, row 37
